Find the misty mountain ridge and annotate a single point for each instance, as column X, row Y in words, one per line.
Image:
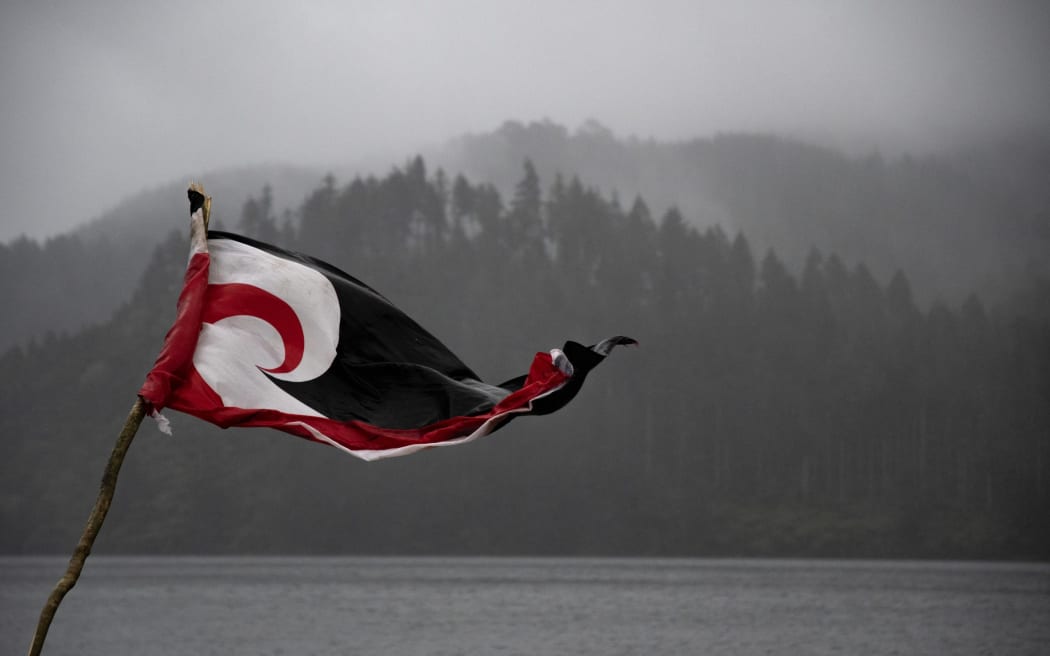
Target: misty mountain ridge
column 972, row 221
column 152, row 211
column 69, row 281
column 975, row 219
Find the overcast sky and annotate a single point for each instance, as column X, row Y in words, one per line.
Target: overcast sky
column 135, row 94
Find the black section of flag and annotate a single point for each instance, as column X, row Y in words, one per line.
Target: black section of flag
column 388, row 370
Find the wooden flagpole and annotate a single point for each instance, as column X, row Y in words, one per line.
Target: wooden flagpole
column 98, row 515
column 102, row 503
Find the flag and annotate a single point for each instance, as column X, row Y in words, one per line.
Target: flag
column 268, row 337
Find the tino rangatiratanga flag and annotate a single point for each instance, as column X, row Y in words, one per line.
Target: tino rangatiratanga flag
column 268, row 337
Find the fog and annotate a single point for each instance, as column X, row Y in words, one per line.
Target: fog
column 844, row 340
column 121, row 95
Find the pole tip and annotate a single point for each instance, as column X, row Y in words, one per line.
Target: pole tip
column 198, row 200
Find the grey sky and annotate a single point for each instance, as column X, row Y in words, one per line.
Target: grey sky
column 133, row 94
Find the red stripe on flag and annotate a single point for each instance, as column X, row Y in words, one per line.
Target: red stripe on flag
column 175, row 361
column 195, row 397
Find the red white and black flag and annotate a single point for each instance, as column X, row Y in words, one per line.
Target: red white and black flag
column 268, row 337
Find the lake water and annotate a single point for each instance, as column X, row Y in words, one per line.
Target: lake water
column 443, row 606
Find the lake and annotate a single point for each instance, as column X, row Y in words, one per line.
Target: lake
column 292, row 606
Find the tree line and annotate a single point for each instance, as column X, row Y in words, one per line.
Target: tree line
column 956, row 222
column 767, row 411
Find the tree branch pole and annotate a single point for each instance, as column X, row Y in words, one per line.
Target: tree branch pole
column 98, row 515
column 108, row 486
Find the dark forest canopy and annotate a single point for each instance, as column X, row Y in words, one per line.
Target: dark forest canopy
column 767, row 412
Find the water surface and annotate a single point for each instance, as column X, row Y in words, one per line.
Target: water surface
column 161, row 606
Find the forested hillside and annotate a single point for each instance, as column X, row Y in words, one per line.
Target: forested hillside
column 972, row 220
column 963, row 222
column 765, row 412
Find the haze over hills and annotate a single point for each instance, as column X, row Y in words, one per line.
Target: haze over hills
column 975, row 220
column 844, row 352
column 79, row 278
column 972, row 220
